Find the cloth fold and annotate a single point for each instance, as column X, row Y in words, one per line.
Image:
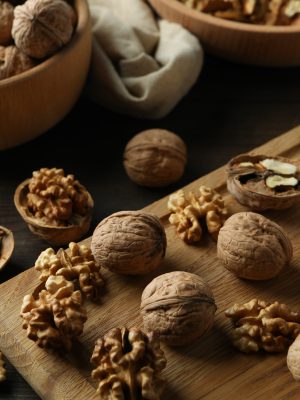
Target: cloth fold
column 140, row 66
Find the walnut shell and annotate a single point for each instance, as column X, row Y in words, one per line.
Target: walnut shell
column 155, row 158
column 129, row 242
column 293, row 359
column 253, row 247
column 248, row 183
column 6, row 21
column 178, row 306
column 13, row 61
column 55, row 235
column 7, row 244
column 41, row 27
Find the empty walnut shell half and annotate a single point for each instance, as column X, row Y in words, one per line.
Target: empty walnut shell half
column 129, row 242
column 178, row 306
column 72, row 230
column 253, row 247
column 7, row 244
column 263, row 182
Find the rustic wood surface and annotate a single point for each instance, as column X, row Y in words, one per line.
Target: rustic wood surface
column 231, row 109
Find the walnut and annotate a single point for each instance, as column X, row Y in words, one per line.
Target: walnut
column 178, row 306
column 258, row 325
column 41, row 27
column 293, row 358
column 253, row 247
column 263, row 182
column 6, row 21
column 7, row 244
column 155, row 158
column 186, row 212
column 13, row 62
column 129, row 242
column 128, row 365
column 56, row 207
column 2, row 368
column 56, row 317
column 78, row 266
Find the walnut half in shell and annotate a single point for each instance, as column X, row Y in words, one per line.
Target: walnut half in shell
column 262, row 182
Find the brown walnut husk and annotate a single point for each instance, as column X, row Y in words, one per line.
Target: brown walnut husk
column 129, row 242
column 248, row 183
column 155, row 158
column 13, row 62
column 128, row 365
column 42, row 27
column 178, row 306
column 6, row 21
column 253, row 247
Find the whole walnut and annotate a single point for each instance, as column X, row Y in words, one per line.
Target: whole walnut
column 155, row 158
column 13, row 61
column 253, row 247
column 178, row 306
column 129, row 242
column 6, row 21
column 41, row 27
column 293, row 359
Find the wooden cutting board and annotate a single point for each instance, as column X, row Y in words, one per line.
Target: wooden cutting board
column 208, row 369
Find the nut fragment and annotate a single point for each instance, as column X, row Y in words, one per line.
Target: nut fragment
column 2, row 368
column 129, row 242
column 253, row 247
column 6, row 21
column 155, row 158
column 13, row 61
column 78, row 266
column 186, row 212
column 277, row 180
column 56, row 317
column 178, row 306
column 128, row 365
column 258, row 325
column 279, row 167
column 41, row 27
column 293, row 358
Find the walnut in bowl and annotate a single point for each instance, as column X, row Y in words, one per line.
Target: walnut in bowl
column 263, row 182
column 56, row 207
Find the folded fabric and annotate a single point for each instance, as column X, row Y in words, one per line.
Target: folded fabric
column 140, row 66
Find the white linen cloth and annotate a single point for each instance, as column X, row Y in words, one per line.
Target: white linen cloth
column 140, row 66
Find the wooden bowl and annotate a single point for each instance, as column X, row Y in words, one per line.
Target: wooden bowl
column 236, row 41
column 34, row 101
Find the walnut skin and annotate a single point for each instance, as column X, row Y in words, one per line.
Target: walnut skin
column 6, row 21
column 13, row 62
column 253, row 247
column 155, row 158
column 41, row 27
column 128, row 365
column 178, row 306
column 293, row 359
column 248, row 181
column 258, row 325
column 129, row 242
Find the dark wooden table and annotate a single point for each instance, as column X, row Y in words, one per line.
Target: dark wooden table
column 231, row 109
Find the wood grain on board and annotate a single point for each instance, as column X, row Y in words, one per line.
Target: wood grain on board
column 208, row 369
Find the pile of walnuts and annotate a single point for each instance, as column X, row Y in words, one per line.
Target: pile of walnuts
column 31, row 32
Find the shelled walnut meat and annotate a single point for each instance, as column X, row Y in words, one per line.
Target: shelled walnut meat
column 13, row 61
column 55, row 206
column 188, row 210
column 6, row 21
column 129, row 242
column 258, row 325
column 253, row 247
column 155, row 158
column 178, row 306
column 263, row 182
column 128, row 365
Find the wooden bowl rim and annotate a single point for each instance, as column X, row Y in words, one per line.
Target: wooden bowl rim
column 10, row 238
column 223, row 23
column 82, row 22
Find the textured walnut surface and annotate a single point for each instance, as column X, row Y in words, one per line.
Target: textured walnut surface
column 253, row 247
column 41, row 27
column 258, row 325
column 128, row 365
column 178, row 306
column 155, row 158
column 6, row 21
column 293, row 358
column 129, row 242
column 13, row 61
column 2, row 368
